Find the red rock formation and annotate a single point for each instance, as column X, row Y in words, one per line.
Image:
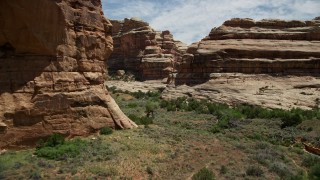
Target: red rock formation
column 52, row 70
column 248, row 46
column 139, row 49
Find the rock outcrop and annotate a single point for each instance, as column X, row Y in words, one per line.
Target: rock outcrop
column 52, row 70
column 141, row 50
column 254, row 47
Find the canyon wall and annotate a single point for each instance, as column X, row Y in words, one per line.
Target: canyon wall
column 146, row 53
column 275, row 47
column 52, row 70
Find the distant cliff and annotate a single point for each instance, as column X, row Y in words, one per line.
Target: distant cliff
column 246, row 46
column 141, row 50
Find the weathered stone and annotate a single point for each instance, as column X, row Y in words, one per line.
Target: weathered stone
column 254, row 47
column 121, row 72
column 52, row 70
column 3, row 128
column 144, row 52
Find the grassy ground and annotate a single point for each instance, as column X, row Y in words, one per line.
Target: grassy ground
column 177, row 145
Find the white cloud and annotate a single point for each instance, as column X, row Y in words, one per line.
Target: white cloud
column 191, row 20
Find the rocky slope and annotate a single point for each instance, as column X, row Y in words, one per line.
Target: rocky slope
column 274, row 47
column 52, row 70
column 141, row 50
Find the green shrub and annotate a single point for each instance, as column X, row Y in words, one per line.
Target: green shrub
column 52, row 141
column 61, row 151
column 314, row 173
column 134, row 118
column 203, row 174
column 150, row 108
column 225, row 113
column 215, row 129
column 163, row 103
column 106, row 131
column 254, row 171
column 34, row 175
column 146, row 120
column 152, row 94
column 281, row 169
column 138, row 95
column 223, row 169
column 132, row 105
column 309, row 160
column 141, row 120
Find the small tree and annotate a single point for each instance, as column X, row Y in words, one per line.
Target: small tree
column 150, row 108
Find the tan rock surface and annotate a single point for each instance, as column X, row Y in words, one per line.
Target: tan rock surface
column 283, row 92
column 52, row 70
column 141, row 50
column 254, row 47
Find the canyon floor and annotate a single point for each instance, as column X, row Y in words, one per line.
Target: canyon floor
column 179, row 143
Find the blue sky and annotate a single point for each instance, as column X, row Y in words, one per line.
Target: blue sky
column 191, row 20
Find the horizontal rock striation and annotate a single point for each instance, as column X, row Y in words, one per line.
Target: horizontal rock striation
column 255, row 47
column 52, row 70
column 141, row 50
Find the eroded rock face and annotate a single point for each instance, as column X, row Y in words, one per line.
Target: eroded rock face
column 52, row 70
column 141, row 50
column 254, row 47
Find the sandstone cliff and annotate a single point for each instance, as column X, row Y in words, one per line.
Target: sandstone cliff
column 254, row 47
column 52, row 70
column 141, row 50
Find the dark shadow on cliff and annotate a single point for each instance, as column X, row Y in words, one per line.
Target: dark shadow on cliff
column 18, row 72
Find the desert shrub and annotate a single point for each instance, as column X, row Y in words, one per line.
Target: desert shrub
column 55, row 148
column 202, row 107
column 106, row 131
column 2, row 169
column 215, row 129
column 225, row 113
column 170, row 106
column 152, row 94
column 34, row 175
column 112, row 89
column 215, row 108
column 192, row 104
column 314, row 173
column 146, row 120
column 132, row 105
column 141, row 120
column 138, row 95
column 254, row 171
column 281, row 169
column 150, row 108
column 52, row 141
column 291, row 119
column 163, row 104
column 223, row 169
column 203, row 174
column 134, row 117
column 309, row 160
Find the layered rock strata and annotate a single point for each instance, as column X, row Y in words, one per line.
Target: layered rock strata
column 141, row 50
column 254, row 47
column 52, row 70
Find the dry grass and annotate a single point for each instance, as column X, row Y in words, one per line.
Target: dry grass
column 176, row 146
